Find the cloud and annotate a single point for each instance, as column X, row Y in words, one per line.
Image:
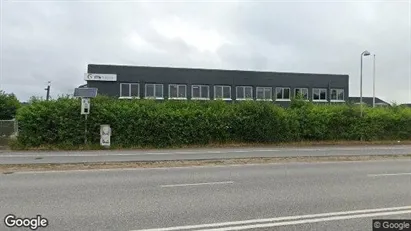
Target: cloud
column 55, row 40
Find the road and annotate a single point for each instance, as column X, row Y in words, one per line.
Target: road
column 194, row 154
column 293, row 196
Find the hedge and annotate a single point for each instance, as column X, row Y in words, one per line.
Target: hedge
column 147, row 123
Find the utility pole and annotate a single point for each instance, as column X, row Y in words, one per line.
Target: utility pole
column 48, row 91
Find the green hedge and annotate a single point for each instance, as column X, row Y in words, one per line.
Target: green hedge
column 146, row 123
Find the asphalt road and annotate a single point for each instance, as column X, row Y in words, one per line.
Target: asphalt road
column 194, row 154
column 294, row 196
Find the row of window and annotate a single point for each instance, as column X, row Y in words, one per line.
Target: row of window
column 179, row 91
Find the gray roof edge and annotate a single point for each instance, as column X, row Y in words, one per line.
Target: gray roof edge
column 215, row 69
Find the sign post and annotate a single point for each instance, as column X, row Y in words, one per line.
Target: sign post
column 85, row 94
column 85, row 110
column 85, row 106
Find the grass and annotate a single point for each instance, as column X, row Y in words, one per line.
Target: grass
column 4, row 142
column 11, row 168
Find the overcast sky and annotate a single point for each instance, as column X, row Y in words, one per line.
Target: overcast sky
column 55, row 40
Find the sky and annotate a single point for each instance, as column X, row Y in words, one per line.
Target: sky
column 55, row 40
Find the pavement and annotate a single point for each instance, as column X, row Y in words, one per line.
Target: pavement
column 342, row 196
column 8, row 157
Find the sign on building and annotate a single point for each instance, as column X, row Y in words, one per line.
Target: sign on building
column 100, row 77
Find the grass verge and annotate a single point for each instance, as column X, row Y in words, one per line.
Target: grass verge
column 4, row 142
column 11, row 168
column 17, row 147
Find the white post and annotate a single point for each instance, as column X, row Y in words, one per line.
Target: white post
column 373, row 87
column 105, row 133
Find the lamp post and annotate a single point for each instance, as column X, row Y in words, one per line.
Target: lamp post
column 373, row 84
column 364, row 53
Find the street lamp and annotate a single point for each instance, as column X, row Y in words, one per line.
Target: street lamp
column 373, row 84
column 364, row 53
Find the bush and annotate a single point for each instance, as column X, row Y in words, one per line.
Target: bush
column 8, row 106
column 149, row 123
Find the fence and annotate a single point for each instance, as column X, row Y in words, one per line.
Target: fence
column 8, row 128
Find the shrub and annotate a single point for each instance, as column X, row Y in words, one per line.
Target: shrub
column 149, row 123
column 9, row 104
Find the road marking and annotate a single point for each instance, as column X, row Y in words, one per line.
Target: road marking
column 299, row 217
column 306, row 221
column 390, row 174
column 196, row 184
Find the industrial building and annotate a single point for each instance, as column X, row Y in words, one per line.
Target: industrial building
column 166, row 83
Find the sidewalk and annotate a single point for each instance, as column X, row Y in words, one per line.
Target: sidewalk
column 214, row 146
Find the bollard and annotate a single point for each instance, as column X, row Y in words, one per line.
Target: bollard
column 105, row 135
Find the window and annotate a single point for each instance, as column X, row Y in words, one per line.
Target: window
column 301, row 91
column 129, row 90
column 283, row 93
column 319, row 94
column 222, row 92
column 381, row 105
column 264, row 93
column 154, row 91
column 200, row 92
column 244, row 92
column 177, row 91
column 337, row 94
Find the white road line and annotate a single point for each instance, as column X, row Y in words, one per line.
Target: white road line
column 196, row 184
column 390, row 174
column 306, row 221
column 112, row 153
column 299, row 217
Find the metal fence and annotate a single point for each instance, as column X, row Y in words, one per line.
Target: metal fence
column 8, row 128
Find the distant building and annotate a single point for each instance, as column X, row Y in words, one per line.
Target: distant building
column 369, row 101
column 137, row 82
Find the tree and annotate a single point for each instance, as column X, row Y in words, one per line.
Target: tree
column 8, row 105
column 34, row 99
